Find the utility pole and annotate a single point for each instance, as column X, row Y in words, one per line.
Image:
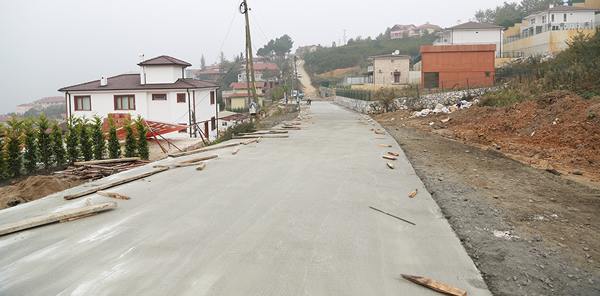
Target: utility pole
column 344, row 36
column 249, row 60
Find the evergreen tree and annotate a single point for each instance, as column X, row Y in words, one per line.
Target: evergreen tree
column 114, row 148
column 142, row 144
column 44, row 141
column 71, row 140
column 85, row 141
column 98, row 138
column 14, row 160
column 2, row 155
column 130, row 140
column 202, row 62
column 58, row 145
column 30, row 155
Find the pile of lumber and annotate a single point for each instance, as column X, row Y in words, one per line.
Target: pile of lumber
column 96, row 169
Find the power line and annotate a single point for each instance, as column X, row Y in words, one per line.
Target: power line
column 226, row 35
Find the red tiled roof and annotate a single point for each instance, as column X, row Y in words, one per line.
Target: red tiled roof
column 474, row 25
column 262, row 66
column 51, row 100
column 132, row 82
column 244, row 85
column 26, row 105
column 389, row 56
column 164, row 60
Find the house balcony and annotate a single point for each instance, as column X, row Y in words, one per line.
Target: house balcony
column 442, row 41
column 535, row 29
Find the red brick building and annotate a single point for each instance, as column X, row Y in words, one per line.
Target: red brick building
column 448, row 66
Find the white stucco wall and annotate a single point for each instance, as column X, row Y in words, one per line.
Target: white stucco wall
column 169, row 110
column 162, row 74
column 469, row 37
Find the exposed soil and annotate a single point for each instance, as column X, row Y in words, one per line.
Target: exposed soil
column 32, row 188
column 529, row 231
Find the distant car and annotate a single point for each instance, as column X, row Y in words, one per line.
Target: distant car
column 299, row 75
column 301, row 95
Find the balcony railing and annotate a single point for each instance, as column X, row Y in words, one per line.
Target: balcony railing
column 535, row 29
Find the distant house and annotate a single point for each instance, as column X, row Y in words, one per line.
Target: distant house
column 229, row 119
column 388, row 69
column 450, row 66
column 398, row 31
column 49, row 101
column 305, row 49
column 262, row 72
column 239, row 98
column 210, row 73
column 21, row 109
column 158, row 93
column 472, row 33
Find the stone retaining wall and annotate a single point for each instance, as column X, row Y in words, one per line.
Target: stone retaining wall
column 423, row 102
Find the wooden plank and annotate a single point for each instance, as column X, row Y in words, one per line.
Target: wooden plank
column 435, row 285
column 113, row 184
column 380, row 132
column 78, row 217
column 104, row 161
column 235, row 151
column 209, row 148
column 389, row 157
column 251, row 141
column 113, row 194
column 393, row 153
column 390, row 165
column 175, row 165
column 197, row 159
column 201, row 166
column 385, row 145
column 260, row 136
column 413, row 193
column 54, row 217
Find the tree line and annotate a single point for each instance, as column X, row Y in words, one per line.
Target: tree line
column 30, row 144
column 509, row 14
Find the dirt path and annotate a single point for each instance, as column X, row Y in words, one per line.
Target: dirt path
column 305, row 80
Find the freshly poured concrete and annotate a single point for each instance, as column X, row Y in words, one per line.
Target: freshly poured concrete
column 284, row 216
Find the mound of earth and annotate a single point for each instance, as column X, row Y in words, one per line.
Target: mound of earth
column 529, row 231
column 339, row 72
column 32, row 188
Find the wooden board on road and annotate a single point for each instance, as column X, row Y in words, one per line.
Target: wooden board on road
column 435, row 285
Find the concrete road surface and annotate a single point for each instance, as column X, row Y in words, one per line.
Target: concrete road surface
column 281, row 217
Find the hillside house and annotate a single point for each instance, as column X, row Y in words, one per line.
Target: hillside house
column 239, row 98
column 22, row 108
column 158, row 93
column 388, row 69
column 210, row 73
column 49, row 101
column 398, row 31
column 229, row 119
column 472, row 33
column 262, row 72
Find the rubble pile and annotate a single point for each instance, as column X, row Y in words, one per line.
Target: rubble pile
column 97, row 171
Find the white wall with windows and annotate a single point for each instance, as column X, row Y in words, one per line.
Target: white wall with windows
column 162, row 74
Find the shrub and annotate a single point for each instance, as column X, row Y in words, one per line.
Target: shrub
column 85, row 141
column 30, row 155
column 98, row 138
column 71, row 140
column 130, row 140
column 58, row 147
column 114, row 148
column 142, row 143
column 44, row 141
column 14, row 160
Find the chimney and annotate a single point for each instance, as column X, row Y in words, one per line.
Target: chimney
column 103, row 80
column 458, row 22
column 142, row 70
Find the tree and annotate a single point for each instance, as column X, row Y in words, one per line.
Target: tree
column 44, row 141
column 278, row 47
column 142, row 143
column 14, row 160
column 30, row 156
column 222, row 57
column 2, row 154
column 85, row 141
column 202, row 62
column 114, row 148
column 98, row 138
column 71, row 140
column 130, row 140
column 333, row 44
column 510, row 13
column 58, row 147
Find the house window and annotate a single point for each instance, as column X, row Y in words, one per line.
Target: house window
column 487, row 74
column 213, row 123
column 125, row 102
column 396, row 77
column 159, row 97
column 183, row 130
column 532, row 21
column 543, row 19
column 224, row 123
column 83, row 103
column 564, row 17
column 212, row 97
column 552, row 18
column 180, row 98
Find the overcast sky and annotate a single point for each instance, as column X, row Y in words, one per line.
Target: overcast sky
column 49, row 44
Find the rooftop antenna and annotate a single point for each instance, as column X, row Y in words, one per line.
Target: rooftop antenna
column 344, row 36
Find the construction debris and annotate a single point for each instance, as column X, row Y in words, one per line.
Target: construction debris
column 98, row 169
column 392, row 215
column 260, row 136
column 390, row 165
column 113, row 184
column 393, row 153
column 412, row 194
column 385, row 145
column 201, row 166
column 55, row 217
column 209, row 148
column 380, row 132
column 113, row 195
column 389, row 157
column 434, row 285
column 235, row 151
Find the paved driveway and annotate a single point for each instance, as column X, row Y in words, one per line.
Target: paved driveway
column 281, row 217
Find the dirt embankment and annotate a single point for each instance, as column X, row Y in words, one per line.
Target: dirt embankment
column 32, row 188
column 529, row 231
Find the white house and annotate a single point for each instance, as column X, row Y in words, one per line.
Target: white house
column 559, row 18
column 158, row 93
column 472, row 33
column 229, row 119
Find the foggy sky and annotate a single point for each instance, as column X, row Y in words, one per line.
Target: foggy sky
column 46, row 45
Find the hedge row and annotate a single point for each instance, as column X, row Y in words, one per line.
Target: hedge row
column 30, row 144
